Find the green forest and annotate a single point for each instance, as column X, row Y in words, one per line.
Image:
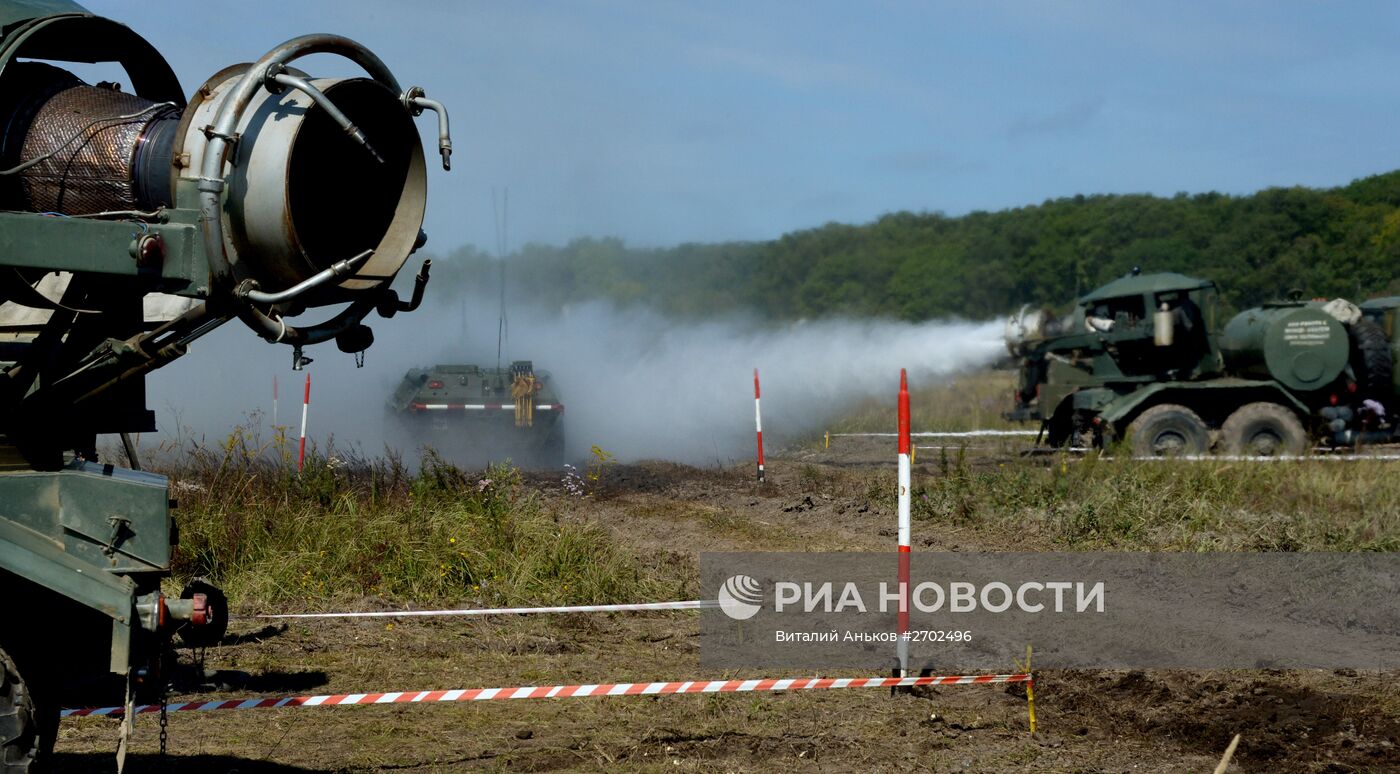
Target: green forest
column 914, row 266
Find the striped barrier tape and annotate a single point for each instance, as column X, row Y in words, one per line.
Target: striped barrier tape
column 563, row 692
column 693, row 604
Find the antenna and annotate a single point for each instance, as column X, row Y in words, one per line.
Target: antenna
column 502, row 222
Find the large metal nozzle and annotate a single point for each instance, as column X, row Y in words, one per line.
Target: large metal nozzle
column 322, row 171
column 1025, row 327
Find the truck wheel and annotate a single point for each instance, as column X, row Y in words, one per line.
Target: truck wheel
column 20, row 739
column 1264, row 430
column 1168, row 430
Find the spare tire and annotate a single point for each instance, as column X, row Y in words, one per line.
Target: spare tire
column 20, row 738
column 1371, row 360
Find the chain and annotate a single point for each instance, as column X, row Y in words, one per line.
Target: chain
column 165, row 698
column 164, row 721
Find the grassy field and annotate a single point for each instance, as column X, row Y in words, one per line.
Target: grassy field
column 351, row 533
column 348, row 529
column 971, row 402
column 1094, row 503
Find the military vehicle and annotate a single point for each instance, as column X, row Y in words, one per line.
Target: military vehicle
column 1142, row 360
column 131, row 224
column 475, row 415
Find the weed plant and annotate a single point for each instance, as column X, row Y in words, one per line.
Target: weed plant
column 1122, row 504
column 969, row 402
column 348, row 528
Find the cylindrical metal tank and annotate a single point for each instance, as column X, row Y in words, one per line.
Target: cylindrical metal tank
column 1298, row 345
column 76, row 149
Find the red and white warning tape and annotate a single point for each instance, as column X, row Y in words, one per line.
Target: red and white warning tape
column 564, row 691
column 693, row 604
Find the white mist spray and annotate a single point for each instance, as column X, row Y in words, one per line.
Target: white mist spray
column 638, row 384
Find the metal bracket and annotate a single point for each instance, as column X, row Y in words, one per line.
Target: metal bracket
column 232, row 138
column 269, row 78
column 121, row 527
column 298, row 360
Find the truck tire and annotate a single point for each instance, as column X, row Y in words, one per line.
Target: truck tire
column 20, row 741
column 1168, row 430
column 1263, row 430
column 1371, row 360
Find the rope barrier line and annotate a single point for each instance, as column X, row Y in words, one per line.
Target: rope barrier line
column 961, row 434
column 694, row 604
column 563, row 692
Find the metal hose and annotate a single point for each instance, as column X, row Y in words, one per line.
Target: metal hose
column 210, row 182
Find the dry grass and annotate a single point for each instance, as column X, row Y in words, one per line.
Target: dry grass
column 969, row 402
column 347, row 529
column 1097, row 503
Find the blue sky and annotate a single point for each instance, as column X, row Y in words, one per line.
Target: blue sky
column 664, row 122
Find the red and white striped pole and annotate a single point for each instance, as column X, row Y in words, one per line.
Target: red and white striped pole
column 758, row 424
column 305, row 403
column 903, row 642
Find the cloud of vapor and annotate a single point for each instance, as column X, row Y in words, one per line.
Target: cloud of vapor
column 634, row 382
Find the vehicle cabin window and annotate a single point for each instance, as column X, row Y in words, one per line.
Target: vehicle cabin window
column 1185, row 313
column 1124, row 312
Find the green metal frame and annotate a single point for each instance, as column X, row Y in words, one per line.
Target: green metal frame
column 101, row 247
column 42, row 561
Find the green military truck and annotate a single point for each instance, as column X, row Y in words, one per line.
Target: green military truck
column 476, row 416
column 1144, row 360
column 130, row 228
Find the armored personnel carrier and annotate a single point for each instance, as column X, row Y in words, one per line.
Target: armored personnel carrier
column 475, row 416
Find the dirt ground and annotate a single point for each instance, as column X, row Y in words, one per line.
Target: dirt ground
column 815, row 499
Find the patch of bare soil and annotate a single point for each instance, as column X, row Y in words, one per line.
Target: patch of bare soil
column 1090, row 721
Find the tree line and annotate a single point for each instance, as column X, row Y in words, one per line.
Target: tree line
column 1327, row 242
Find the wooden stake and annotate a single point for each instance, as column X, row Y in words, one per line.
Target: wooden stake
column 1229, row 753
